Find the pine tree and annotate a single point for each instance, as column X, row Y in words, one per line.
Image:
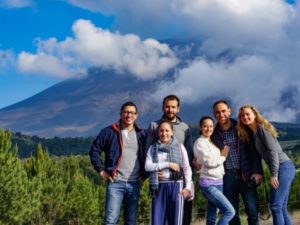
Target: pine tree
column 17, row 202
column 52, row 185
column 82, row 200
column 144, row 204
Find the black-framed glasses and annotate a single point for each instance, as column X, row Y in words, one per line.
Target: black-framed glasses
column 129, row 112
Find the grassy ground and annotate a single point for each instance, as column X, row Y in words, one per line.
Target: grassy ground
column 294, row 215
column 295, row 219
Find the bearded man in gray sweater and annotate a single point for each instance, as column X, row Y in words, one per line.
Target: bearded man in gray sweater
column 182, row 133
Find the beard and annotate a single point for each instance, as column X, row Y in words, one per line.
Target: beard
column 170, row 117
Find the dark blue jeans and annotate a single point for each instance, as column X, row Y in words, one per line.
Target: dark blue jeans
column 279, row 197
column 119, row 192
column 233, row 187
column 167, row 206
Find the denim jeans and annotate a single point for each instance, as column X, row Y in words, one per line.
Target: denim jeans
column 216, row 200
column 119, row 192
column 235, row 186
column 279, row 197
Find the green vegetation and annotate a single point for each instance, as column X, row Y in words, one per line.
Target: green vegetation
column 46, row 189
column 289, row 136
column 55, row 146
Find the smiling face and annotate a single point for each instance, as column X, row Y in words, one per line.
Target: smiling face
column 165, row 132
column 247, row 116
column 128, row 116
column 222, row 113
column 207, row 127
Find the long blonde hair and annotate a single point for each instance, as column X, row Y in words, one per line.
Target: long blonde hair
column 242, row 129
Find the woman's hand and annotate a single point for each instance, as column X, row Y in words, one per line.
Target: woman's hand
column 225, row 151
column 274, row 182
column 185, row 193
column 174, row 166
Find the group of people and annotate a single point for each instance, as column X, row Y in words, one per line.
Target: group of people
column 227, row 157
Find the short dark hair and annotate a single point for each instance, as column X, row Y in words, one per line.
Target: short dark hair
column 129, row 104
column 171, row 98
column 220, row 101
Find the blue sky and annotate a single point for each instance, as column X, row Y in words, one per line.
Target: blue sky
column 45, row 42
column 20, row 26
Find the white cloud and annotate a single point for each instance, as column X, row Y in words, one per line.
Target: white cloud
column 42, row 64
column 256, row 79
column 254, row 21
column 261, row 39
column 15, row 3
column 258, row 40
column 92, row 46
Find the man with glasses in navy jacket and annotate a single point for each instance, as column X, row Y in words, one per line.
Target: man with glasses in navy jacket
column 123, row 166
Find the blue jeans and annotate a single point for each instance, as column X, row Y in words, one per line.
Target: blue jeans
column 119, row 192
column 235, row 186
column 279, row 197
column 216, row 199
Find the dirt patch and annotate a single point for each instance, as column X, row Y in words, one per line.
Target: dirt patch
column 294, row 215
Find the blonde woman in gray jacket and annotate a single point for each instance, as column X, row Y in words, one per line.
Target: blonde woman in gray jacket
column 211, row 159
column 282, row 170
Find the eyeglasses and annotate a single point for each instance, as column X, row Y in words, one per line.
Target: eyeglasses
column 129, row 113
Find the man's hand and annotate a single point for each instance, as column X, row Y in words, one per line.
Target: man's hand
column 106, row 176
column 257, row 177
column 196, row 165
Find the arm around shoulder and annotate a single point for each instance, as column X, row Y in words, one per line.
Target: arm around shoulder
column 151, row 135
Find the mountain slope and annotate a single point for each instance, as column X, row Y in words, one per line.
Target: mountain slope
column 78, row 106
column 82, row 105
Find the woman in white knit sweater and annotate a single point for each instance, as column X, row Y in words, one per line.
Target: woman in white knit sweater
column 211, row 159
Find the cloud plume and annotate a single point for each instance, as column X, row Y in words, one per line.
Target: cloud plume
column 246, row 52
column 92, row 46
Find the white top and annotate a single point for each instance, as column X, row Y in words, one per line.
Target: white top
column 210, row 158
column 163, row 164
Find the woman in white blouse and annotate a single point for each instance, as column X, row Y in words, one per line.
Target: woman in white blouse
column 211, row 159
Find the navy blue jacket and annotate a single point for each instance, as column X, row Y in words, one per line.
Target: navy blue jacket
column 109, row 141
column 249, row 158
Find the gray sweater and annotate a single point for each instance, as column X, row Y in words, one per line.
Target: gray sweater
column 269, row 149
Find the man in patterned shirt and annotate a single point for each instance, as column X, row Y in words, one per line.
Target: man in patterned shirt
column 243, row 170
